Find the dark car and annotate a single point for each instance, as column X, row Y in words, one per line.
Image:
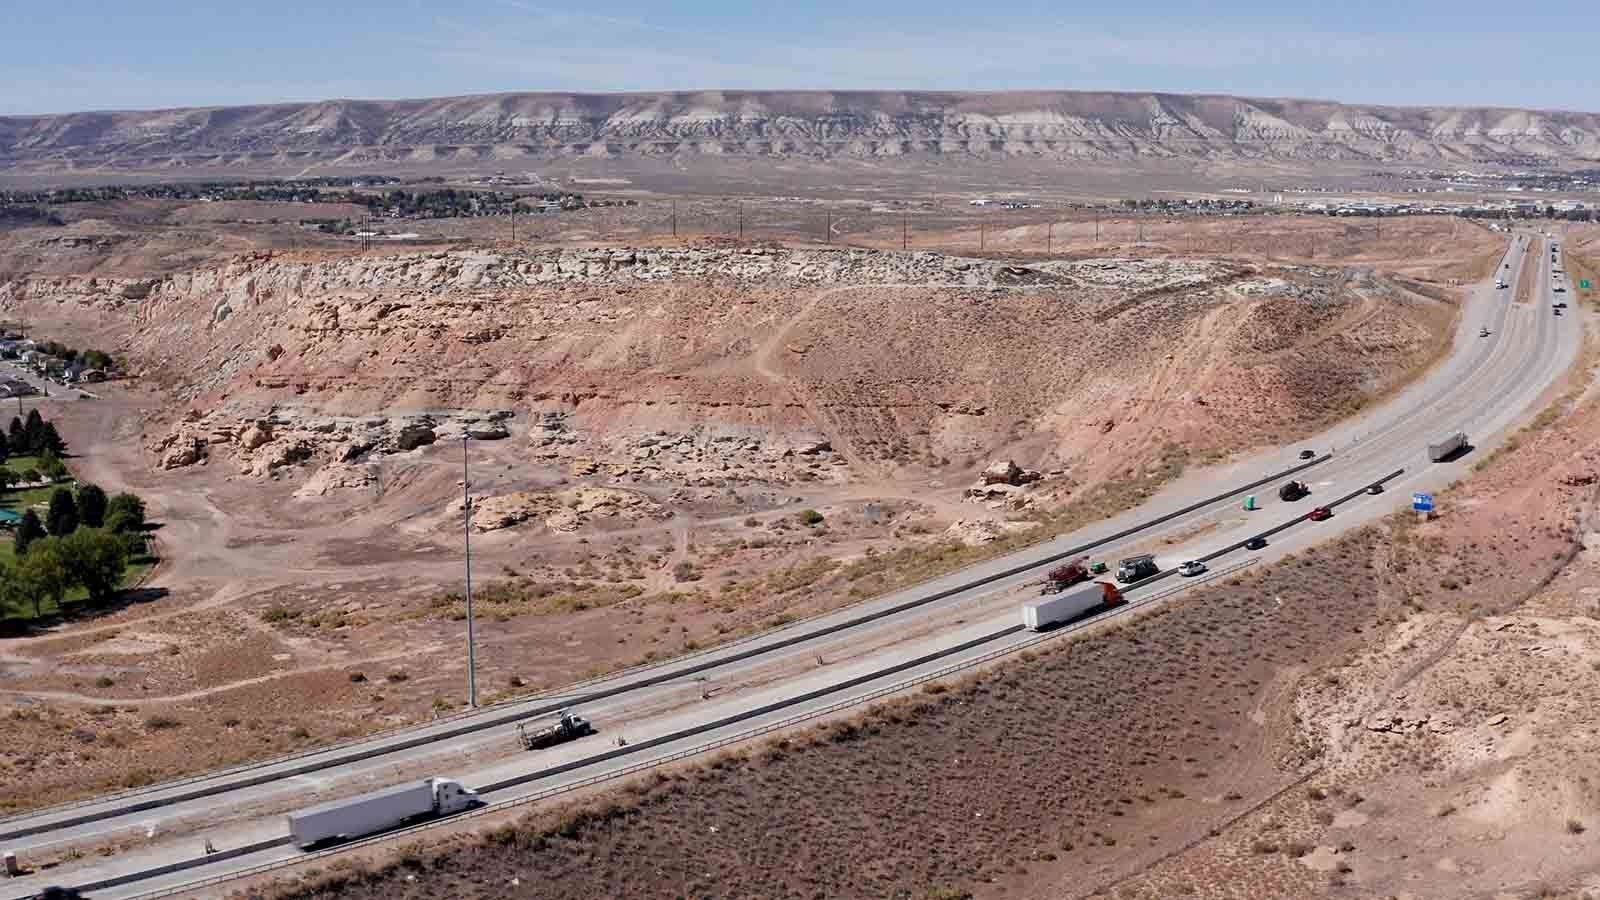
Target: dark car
column 1375, row 489
column 1255, row 543
column 1307, row 454
column 1321, row 513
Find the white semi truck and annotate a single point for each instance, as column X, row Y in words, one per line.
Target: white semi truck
column 1038, row 615
column 391, row 807
column 1446, row 447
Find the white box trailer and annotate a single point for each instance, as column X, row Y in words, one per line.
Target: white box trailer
column 1069, row 604
column 377, row 811
column 1444, row 448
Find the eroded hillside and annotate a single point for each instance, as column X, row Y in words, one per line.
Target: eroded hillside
column 900, row 364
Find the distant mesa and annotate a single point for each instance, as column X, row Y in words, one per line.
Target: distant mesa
column 819, row 125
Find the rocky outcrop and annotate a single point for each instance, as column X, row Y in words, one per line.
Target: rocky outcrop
column 982, row 531
column 708, row 456
column 1003, row 483
column 338, row 476
column 1002, row 472
column 285, row 439
column 565, row 511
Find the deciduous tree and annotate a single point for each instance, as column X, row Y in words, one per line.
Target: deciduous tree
column 127, row 510
column 45, row 570
column 96, row 559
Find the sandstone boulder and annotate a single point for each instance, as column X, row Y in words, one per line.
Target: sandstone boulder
column 256, row 436
column 487, row 431
column 1002, row 472
column 337, row 477
column 415, row 435
column 184, row 453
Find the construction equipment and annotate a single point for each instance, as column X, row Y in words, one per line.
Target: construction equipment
column 1041, row 614
column 1293, row 491
column 566, row 727
column 1065, row 576
column 377, row 811
column 1136, row 567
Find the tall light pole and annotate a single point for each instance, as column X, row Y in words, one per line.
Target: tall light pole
column 466, row 533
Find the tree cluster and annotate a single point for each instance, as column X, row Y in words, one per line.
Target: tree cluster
column 84, row 541
column 32, row 437
column 91, row 359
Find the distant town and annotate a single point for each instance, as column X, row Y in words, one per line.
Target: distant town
column 425, row 198
column 52, row 361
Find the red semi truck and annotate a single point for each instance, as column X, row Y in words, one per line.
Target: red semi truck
column 1065, row 576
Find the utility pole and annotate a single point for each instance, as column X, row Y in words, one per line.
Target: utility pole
column 740, row 207
column 980, row 236
column 1097, row 226
column 674, row 218
column 827, row 228
column 1049, row 237
column 466, row 533
column 905, row 233
column 513, row 222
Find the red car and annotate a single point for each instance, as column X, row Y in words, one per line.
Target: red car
column 1319, row 514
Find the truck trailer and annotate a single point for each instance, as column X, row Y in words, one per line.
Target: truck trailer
column 391, row 807
column 1038, row 615
column 1446, row 447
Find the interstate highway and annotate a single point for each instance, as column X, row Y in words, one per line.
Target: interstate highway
column 1483, row 387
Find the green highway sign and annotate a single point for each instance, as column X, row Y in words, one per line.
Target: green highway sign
column 1584, row 284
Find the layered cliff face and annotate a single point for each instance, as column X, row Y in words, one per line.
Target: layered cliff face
column 710, row 366
column 813, row 125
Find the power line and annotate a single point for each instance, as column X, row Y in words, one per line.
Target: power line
column 466, row 535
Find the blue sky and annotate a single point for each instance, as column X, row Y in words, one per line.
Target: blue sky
column 64, row 55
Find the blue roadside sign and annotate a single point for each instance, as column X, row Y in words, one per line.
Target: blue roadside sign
column 1422, row 502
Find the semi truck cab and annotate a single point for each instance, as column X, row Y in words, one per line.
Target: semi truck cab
column 450, row 796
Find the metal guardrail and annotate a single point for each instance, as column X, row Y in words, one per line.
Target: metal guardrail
column 676, row 756
column 493, row 721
